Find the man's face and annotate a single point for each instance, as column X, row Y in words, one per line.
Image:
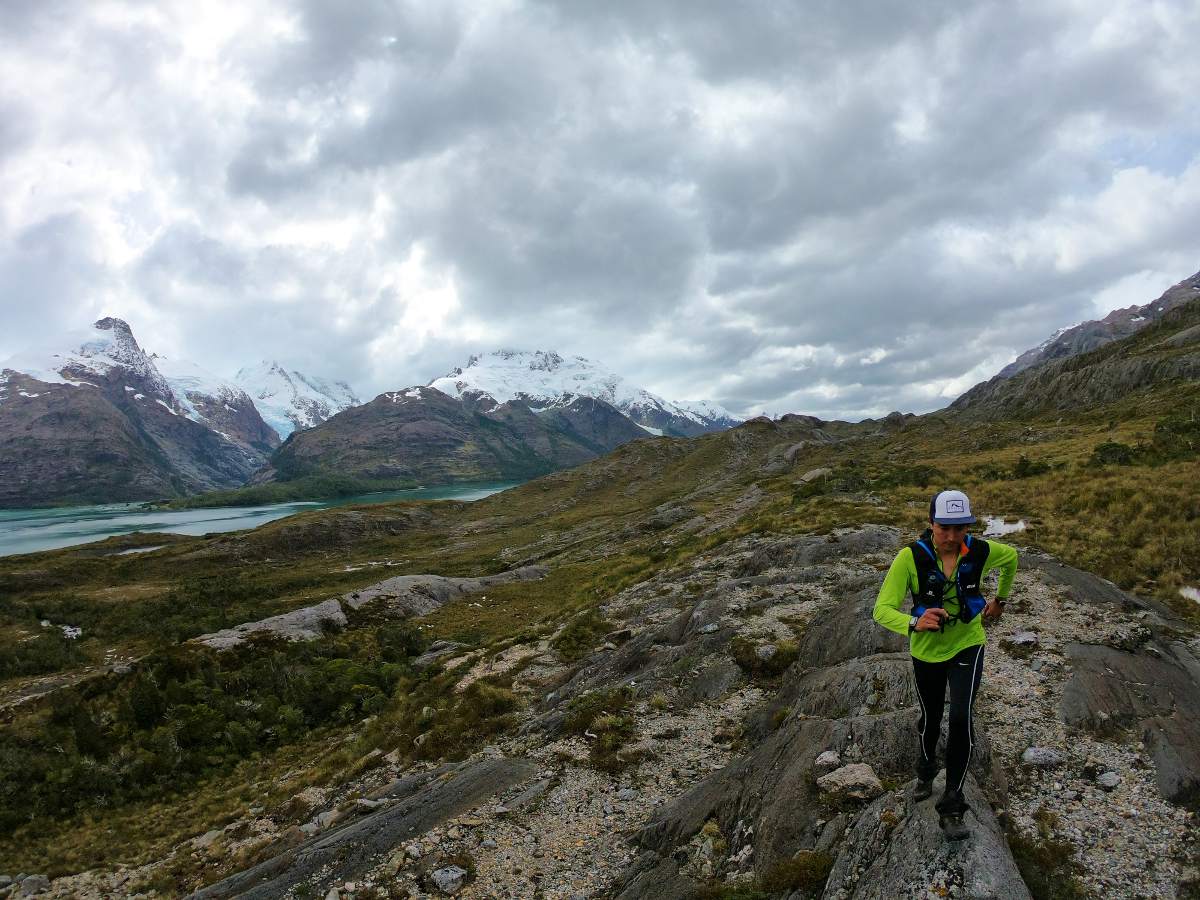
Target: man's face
column 948, row 537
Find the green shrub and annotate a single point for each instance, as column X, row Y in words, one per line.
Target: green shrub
column 1047, row 862
column 1177, row 436
column 805, row 871
column 1112, row 453
column 582, row 711
column 579, row 636
column 745, row 654
column 612, row 733
column 1027, row 468
column 49, row 651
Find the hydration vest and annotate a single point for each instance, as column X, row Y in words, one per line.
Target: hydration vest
column 931, row 583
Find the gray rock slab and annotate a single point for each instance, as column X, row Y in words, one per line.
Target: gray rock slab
column 808, row 550
column 450, row 879
column 895, row 845
column 417, row 595
column 305, row 624
column 714, row 679
column 345, row 852
column 883, row 682
column 406, row 595
column 657, row 879
column 848, row 633
column 437, row 651
column 1155, row 690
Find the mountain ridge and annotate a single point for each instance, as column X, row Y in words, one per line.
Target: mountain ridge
column 1090, row 335
column 544, row 379
column 420, row 433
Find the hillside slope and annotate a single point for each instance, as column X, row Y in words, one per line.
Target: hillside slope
column 1166, row 351
column 1118, row 324
column 639, row 707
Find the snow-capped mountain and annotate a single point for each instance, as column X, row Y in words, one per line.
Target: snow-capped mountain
column 546, row 380
column 92, row 418
column 95, row 355
column 289, row 400
column 216, row 402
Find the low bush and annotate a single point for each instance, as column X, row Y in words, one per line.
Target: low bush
column 50, row 651
column 583, row 711
column 806, row 871
column 1047, row 862
column 1112, row 453
column 760, row 663
column 579, row 636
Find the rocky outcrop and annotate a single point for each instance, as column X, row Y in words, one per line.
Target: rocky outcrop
column 841, row 721
column 413, row 806
column 416, row 595
column 1155, row 691
column 895, row 848
column 305, row 624
column 1143, row 679
column 402, row 596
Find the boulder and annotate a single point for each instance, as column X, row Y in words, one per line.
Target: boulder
column 856, row 781
column 435, row 652
column 1041, row 758
column 827, row 762
column 766, row 652
column 32, row 885
column 814, row 474
column 450, row 879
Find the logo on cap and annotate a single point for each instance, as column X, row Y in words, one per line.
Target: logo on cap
column 954, row 506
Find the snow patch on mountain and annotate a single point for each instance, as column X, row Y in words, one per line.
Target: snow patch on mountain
column 545, row 380
column 108, row 345
column 94, row 352
column 192, row 384
column 288, row 400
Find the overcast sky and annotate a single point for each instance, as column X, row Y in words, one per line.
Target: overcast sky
column 835, row 207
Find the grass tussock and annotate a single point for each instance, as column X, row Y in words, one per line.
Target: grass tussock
column 759, row 661
column 805, row 873
column 1047, row 862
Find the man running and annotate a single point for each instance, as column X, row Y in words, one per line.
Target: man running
column 944, row 570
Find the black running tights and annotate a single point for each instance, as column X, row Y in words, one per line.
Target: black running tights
column 962, row 672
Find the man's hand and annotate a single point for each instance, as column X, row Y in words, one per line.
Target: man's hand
column 932, row 619
column 991, row 612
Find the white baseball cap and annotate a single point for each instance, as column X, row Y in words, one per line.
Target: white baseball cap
column 950, row 508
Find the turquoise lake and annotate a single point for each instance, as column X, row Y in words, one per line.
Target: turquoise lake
column 32, row 530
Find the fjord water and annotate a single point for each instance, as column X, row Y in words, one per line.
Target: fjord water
column 31, row 530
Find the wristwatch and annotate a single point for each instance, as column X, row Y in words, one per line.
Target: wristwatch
column 1002, row 601
column 912, row 624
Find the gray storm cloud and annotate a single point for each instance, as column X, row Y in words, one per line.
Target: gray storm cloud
column 831, row 208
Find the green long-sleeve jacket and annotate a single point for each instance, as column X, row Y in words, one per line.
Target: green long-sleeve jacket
column 939, row 646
